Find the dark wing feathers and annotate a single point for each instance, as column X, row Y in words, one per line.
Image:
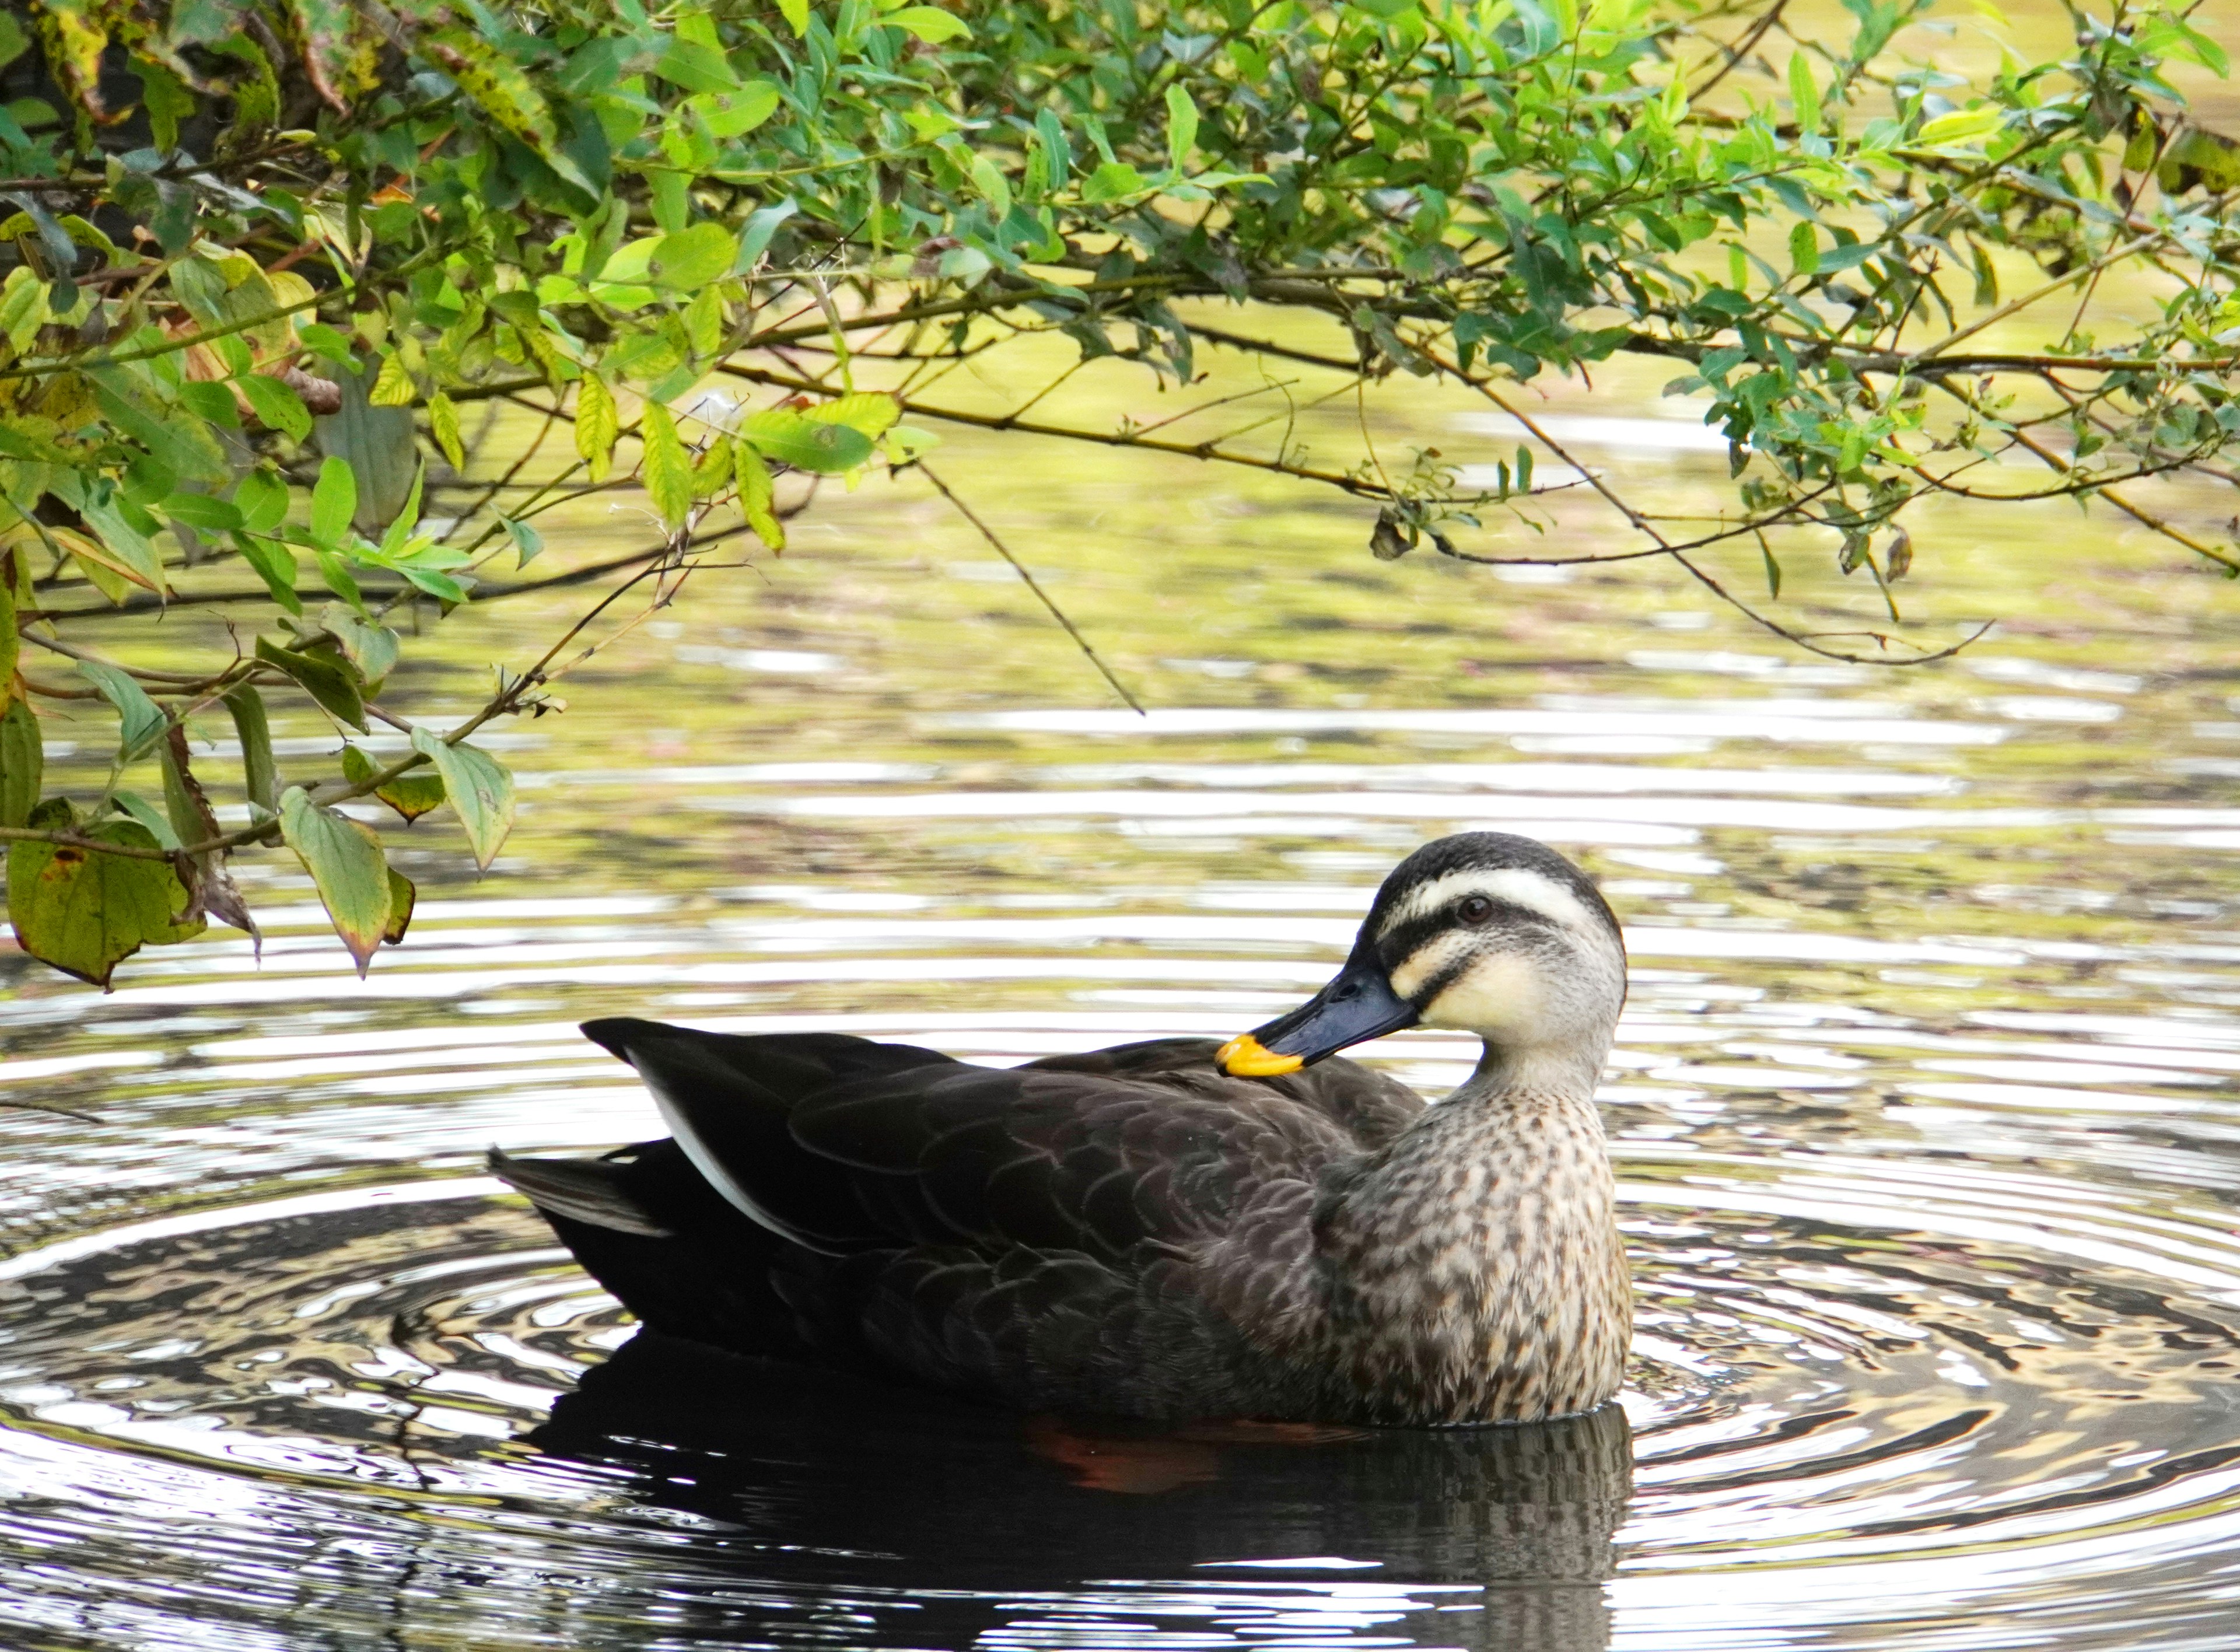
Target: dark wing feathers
column 975, row 1226
column 1363, row 1102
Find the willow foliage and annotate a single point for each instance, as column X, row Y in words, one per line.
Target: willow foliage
column 265, row 258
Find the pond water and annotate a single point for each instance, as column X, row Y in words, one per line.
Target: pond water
column 1925, row 1109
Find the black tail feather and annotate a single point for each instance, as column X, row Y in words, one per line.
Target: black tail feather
column 700, row 1269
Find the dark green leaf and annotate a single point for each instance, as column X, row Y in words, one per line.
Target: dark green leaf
column 255, row 732
column 328, row 679
column 412, row 794
column 23, row 761
column 143, row 722
column 403, row 898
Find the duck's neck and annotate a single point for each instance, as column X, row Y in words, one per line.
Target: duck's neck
column 1475, row 1265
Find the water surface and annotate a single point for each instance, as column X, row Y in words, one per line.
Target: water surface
column 1924, row 1110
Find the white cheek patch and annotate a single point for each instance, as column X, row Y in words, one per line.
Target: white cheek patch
column 1518, row 885
column 1500, row 997
column 1429, row 962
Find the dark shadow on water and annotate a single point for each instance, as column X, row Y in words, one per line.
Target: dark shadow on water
column 817, row 1481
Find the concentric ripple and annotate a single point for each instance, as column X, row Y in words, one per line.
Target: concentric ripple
column 406, row 1389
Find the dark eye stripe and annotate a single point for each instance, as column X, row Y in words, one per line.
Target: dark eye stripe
column 1403, row 942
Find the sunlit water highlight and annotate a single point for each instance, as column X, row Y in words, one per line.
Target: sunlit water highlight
column 1924, row 1109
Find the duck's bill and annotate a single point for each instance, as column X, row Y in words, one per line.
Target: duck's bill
column 1357, row 1006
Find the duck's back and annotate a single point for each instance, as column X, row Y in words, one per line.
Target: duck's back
column 1129, row 1230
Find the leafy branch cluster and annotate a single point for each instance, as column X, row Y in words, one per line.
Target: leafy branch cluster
column 273, row 265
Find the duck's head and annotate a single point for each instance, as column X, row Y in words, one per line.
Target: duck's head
column 1481, row 933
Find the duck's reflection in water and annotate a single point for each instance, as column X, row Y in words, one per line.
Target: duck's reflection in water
column 1493, row 1537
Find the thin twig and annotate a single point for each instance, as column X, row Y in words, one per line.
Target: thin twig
column 1034, row 585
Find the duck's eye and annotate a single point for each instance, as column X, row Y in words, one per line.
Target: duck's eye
column 1475, row 908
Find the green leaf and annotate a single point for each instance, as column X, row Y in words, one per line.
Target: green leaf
column 23, row 761
column 261, row 499
column 527, row 542
column 201, row 512
column 254, row 730
column 873, row 412
column 693, row 257
column 325, row 677
column 480, row 789
column 275, row 563
column 132, row 554
column 929, row 23
column 1961, row 127
column 1114, row 181
column 371, row 648
column 597, row 425
column 334, row 502
column 754, row 238
column 143, row 722
column 668, row 473
column 757, row 496
column 444, row 425
column 412, row 794
column 1803, row 93
column 1804, row 248
column 805, row 443
column 1181, row 127
column 797, row 14
column 347, row 867
column 138, row 808
column 277, row 405
column 729, row 114
column 1772, row 572
column 696, row 67
column 84, row 912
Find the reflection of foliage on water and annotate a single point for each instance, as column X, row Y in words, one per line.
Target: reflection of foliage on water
column 587, row 214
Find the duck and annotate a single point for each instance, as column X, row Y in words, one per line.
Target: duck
column 1169, row 1230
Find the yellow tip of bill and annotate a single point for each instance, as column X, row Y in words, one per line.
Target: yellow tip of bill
column 1245, row 1056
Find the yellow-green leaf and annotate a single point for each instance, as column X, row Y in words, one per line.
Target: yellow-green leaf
column 444, row 425
column 480, row 788
column 693, row 257
column 712, row 470
column 1803, row 93
column 873, row 412
column 347, row 868
column 597, row 425
column 668, row 472
column 757, row 496
column 805, row 443
column 929, row 23
column 83, row 911
column 392, row 386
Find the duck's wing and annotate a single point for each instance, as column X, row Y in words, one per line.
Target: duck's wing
column 728, row 1099
column 1367, row 1104
column 1052, row 1232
